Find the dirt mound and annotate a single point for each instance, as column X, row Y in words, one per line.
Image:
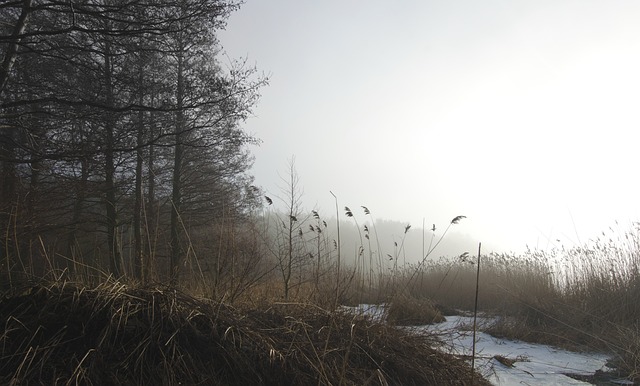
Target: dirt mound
column 66, row 334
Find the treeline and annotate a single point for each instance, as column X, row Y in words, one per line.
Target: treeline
column 120, row 134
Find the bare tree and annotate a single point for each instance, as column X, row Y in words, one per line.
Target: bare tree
column 91, row 92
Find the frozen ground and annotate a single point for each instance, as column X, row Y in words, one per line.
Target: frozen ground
column 533, row 364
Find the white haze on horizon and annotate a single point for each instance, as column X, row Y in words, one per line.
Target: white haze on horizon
column 521, row 116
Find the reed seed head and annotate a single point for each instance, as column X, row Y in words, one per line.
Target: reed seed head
column 348, row 211
column 457, row 219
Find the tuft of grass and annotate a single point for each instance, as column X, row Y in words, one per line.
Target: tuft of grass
column 406, row 310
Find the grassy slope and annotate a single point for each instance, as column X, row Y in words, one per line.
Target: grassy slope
column 61, row 333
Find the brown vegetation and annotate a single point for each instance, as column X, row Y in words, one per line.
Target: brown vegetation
column 583, row 298
column 66, row 334
column 406, row 310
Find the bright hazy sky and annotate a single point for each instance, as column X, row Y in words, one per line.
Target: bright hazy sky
column 523, row 116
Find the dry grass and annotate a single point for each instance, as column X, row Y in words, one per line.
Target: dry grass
column 62, row 334
column 583, row 298
column 579, row 298
column 407, row 310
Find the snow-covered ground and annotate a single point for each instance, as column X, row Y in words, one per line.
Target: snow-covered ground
column 533, row 364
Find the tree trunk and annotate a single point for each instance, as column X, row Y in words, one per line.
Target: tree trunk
column 137, row 207
column 12, row 51
column 176, row 196
column 115, row 259
column 8, row 200
column 78, row 208
column 151, row 205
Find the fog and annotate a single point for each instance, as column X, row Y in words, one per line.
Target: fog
column 376, row 243
column 519, row 115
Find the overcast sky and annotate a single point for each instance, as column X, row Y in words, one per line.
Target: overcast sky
column 523, row 116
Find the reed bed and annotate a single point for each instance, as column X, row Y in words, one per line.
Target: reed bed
column 582, row 298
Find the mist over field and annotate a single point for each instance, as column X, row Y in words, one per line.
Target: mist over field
column 147, row 206
column 396, row 244
column 518, row 115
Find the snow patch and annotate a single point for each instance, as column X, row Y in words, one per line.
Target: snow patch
column 513, row 362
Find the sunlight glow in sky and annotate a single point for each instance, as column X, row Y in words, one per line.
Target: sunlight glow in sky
column 522, row 115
